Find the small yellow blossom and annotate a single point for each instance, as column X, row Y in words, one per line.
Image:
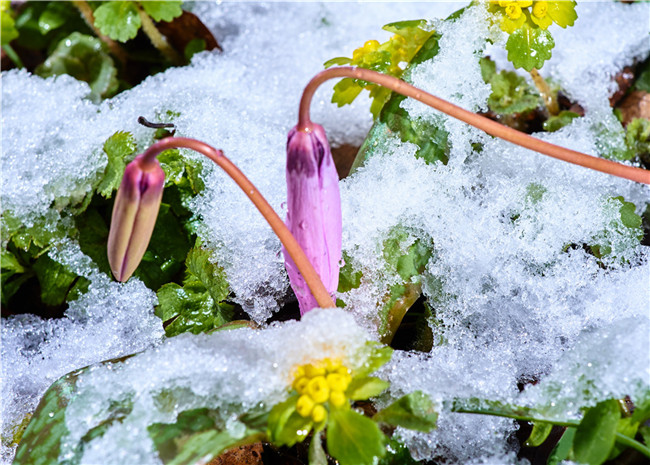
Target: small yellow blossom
column 318, row 389
column 540, row 9
column 314, row 370
column 513, row 11
column 301, row 384
column 319, row 414
column 338, row 382
column 337, row 398
column 304, row 406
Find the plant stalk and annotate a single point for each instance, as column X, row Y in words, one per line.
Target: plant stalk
column 157, row 39
column 89, row 17
column 13, row 56
column 620, row 438
column 491, row 127
column 308, row 272
column 550, row 100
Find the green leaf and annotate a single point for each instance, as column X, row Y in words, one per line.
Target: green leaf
column 349, row 278
column 317, row 455
column 119, row 148
column 562, row 449
column 345, row 91
column 162, row 10
column 119, row 20
column 279, row 415
column 8, row 31
column 510, row 92
column 338, row 61
column 84, row 58
column 529, row 47
column 413, row 411
column 285, row 426
column 629, row 218
column 596, row 433
column 353, row 439
column 365, row 387
column 643, row 78
column 55, row 280
column 374, row 356
column 53, row 17
column 637, row 139
column 562, row 12
column 168, row 247
column 197, row 305
column 564, row 118
column 41, row 441
column 538, row 435
column 195, row 437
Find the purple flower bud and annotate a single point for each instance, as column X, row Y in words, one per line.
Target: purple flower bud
column 134, row 215
column 313, row 210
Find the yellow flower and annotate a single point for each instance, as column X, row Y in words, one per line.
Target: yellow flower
column 319, row 414
column 338, row 382
column 513, row 11
column 300, row 384
column 304, row 406
column 540, row 9
column 312, row 371
column 318, row 389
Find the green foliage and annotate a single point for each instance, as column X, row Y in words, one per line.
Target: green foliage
column 643, row 78
column 362, row 388
column 637, row 138
column 391, row 58
column 196, row 306
column 354, row 439
column 413, row 411
column 195, row 437
column 85, row 58
column 120, row 149
column 626, row 227
column 8, row 31
column 510, row 92
column 529, row 47
column 162, row 10
column 596, row 433
column 285, row 426
column 538, row 435
column 374, row 356
column 119, row 20
column 530, row 43
column 41, row 441
column 601, row 434
column 557, row 122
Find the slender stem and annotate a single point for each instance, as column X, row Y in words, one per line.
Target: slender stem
column 548, row 96
column 633, row 443
column 87, row 13
column 620, row 438
column 312, row 279
column 13, row 56
column 157, row 39
column 491, row 127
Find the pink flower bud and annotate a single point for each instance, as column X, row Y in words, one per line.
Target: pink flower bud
column 313, row 210
column 134, row 215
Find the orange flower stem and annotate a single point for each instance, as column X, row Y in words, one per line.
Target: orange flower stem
column 312, row 279
column 491, row 127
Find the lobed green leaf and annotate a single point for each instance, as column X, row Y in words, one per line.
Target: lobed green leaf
column 119, row 20
column 596, row 433
column 413, row 411
column 529, row 47
column 162, row 10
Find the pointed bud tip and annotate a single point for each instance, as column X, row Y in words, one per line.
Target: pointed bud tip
column 134, row 215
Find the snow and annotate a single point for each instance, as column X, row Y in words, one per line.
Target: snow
column 514, row 301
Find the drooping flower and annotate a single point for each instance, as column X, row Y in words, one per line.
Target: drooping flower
column 313, row 210
column 134, row 215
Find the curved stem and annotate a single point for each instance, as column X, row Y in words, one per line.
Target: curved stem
column 491, row 127
column 312, row 279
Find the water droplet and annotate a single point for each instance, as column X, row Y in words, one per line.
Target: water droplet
column 283, row 205
column 302, row 225
column 341, row 263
